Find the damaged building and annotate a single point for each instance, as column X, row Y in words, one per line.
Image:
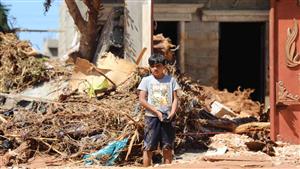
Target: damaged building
column 222, row 43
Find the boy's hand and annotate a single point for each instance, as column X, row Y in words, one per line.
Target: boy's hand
column 160, row 116
column 171, row 115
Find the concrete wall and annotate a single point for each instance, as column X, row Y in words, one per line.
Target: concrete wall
column 201, row 51
column 202, row 38
column 51, row 47
column 66, row 24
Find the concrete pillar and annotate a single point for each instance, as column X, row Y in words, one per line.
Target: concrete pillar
column 182, row 45
column 138, row 29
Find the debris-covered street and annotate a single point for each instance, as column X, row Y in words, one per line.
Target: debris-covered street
column 83, row 108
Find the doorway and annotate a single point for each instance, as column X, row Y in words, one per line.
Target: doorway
column 242, row 57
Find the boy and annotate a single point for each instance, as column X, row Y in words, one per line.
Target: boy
column 158, row 96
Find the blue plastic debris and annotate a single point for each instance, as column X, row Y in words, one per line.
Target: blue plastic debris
column 112, row 150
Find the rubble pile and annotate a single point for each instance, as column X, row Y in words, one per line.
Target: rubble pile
column 72, row 128
column 238, row 101
column 233, row 142
column 196, row 122
column 286, row 153
column 81, row 122
column 20, row 65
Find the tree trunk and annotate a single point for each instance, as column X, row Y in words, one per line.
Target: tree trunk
column 253, row 126
column 88, row 29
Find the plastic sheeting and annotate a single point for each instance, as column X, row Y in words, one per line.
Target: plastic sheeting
column 112, row 151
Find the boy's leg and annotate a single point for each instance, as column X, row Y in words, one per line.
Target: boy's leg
column 147, row 157
column 167, row 153
column 167, row 141
column 151, row 138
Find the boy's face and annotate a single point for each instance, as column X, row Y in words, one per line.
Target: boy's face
column 157, row 70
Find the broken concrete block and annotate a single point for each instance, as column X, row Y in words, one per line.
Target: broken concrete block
column 219, row 110
column 216, row 151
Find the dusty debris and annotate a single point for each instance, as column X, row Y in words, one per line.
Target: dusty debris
column 218, row 158
column 73, row 128
column 286, row 153
column 242, row 143
column 19, row 153
column 234, row 142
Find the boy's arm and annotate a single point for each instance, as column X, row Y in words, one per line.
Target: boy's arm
column 174, row 105
column 144, row 103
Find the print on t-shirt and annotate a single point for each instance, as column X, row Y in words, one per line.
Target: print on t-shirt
column 160, row 95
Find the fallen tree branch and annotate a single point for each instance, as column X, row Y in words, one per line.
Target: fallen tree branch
column 54, row 149
column 12, row 154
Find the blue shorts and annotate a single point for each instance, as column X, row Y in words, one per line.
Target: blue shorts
column 157, row 132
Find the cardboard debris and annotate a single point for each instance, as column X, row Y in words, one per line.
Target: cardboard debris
column 120, row 69
column 87, row 76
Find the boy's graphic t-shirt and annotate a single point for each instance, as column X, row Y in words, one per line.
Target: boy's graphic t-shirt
column 159, row 92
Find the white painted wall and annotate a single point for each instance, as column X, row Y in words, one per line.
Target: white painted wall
column 138, row 29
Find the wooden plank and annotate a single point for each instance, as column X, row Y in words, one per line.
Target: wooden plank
column 254, row 126
column 141, row 56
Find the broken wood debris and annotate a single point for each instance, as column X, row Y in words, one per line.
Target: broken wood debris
column 78, row 124
column 164, row 46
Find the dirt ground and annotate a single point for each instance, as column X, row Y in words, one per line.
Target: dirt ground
column 287, row 156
